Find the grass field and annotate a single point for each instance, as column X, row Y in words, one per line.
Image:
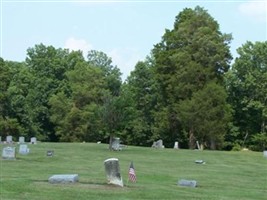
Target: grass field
column 226, row 175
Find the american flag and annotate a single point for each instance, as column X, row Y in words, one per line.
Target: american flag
column 132, row 176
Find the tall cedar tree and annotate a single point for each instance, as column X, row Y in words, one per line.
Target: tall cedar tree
column 190, row 56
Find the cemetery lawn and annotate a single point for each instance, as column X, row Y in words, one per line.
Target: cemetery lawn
column 225, row 176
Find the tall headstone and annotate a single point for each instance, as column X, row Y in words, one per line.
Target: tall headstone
column 21, row 139
column 9, row 153
column 9, row 139
column 33, row 140
column 115, row 145
column 176, row 145
column 113, row 174
column 23, row 149
column 265, row 154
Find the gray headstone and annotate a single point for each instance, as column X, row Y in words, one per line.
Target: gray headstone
column 64, row 178
column 158, row 144
column 265, row 154
column 21, row 139
column 9, row 139
column 33, row 140
column 50, row 153
column 23, row 149
column 113, row 174
column 200, row 162
column 115, row 145
column 188, row 183
column 0, row 139
column 9, row 153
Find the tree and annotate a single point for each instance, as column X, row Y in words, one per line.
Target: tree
column 190, row 56
column 247, row 88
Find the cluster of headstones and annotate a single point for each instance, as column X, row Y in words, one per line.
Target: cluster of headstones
column 159, row 144
column 9, row 152
column 9, row 140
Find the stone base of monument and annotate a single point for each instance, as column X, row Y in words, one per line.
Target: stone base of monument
column 64, row 178
column 188, row 183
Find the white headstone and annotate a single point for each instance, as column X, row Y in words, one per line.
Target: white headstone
column 33, row 140
column 64, row 178
column 176, row 145
column 113, row 174
column 9, row 153
column 9, row 139
column 265, row 154
column 21, row 139
column 23, row 149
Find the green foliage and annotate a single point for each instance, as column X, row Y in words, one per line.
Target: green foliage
column 247, row 87
column 188, row 58
column 176, row 94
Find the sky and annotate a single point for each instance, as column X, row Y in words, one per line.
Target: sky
column 125, row 30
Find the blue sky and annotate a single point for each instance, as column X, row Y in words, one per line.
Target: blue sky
column 125, row 30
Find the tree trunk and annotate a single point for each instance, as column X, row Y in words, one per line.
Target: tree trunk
column 192, row 139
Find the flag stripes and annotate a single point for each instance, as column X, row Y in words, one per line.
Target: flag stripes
column 132, row 175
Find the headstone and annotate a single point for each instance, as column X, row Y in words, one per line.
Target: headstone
column 115, row 145
column 200, row 162
column 64, row 178
column 9, row 153
column 0, row 139
column 176, row 145
column 50, row 153
column 33, row 140
column 158, row 144
column 188, row 183
column 23, row 149
column 113, row 174
column 21, row 140
column 9, row 139
column 265, row 154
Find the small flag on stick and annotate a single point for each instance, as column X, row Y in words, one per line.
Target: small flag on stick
column 132, row 176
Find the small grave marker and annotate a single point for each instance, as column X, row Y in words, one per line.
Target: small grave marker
column 50, row 153
column 265, row 154
column 33, row 140
column 23, row 149
column 115, row 145
column 188, row 183
column 9, row 153
column 21, row 139
column 176, row 145
column 9, row 139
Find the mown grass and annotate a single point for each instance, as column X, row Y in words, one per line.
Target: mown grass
column 225, row 176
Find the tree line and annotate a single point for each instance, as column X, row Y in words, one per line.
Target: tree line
column 188, row 89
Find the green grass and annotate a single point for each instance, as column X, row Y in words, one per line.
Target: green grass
column 226, row 175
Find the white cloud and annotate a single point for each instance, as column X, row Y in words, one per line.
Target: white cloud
column 256, row 10
column 78, row 44
column 125, row 59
